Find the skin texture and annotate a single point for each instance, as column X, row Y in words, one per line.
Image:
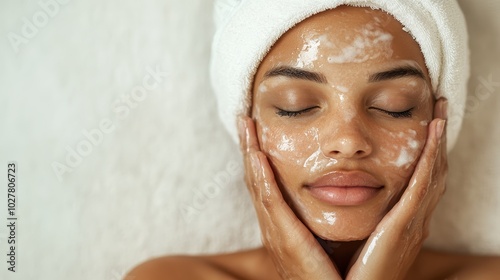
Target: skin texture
column 392, row 247
column 345, row 122
column 344, row 119
column 346, row 129
column 256, row 265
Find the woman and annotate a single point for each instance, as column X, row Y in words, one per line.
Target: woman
column 344, row 143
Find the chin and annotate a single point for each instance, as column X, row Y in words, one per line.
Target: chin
column 351, row 233
column 342, row 223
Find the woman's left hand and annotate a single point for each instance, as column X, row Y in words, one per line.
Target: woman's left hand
column 394, row 245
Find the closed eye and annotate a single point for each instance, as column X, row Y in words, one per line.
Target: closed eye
column 285, row 113
column 398, row 115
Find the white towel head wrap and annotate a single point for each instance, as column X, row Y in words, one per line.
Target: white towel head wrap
column 247, row 29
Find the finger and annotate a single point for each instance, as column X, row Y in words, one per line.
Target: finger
column 441, row 111
column 416, row 195
column 287, row 238
column 268, row 197
column 284, row 230
column 248, row 144
column 421, row 179
column 277, row 211
column 409, row 214
column 251, row 142
column 441, row 166
column 248, row 134
column 400, row 235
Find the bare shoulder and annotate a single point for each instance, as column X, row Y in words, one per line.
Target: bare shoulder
column 250, row 264
column 432, row 264
column 173, row 267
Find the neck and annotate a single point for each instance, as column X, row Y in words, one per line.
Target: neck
column 342, row 254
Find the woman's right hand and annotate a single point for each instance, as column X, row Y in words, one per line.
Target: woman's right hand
column 292, row 247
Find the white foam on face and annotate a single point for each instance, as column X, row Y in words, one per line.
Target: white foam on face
column 331, row 162
column 286, row 144
column 324, row 40
column 314, row 132
column 424, row 123
column 317, row 160
column 413, row 143
column 313, row 162
column 265, row 136
column 403, row 159
column 407, row 154
column 372, row 43
column 402, row 155
column 329, row 217
column 348, row 113
column 309, row 53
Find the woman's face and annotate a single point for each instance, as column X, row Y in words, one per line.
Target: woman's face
column 342, row 103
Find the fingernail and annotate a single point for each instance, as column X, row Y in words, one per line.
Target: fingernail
column 445, row 109
column 440, row 128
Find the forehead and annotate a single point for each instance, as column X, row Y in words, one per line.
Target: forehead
column 345, row 37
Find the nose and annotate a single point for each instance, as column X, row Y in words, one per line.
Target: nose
column 346, row 140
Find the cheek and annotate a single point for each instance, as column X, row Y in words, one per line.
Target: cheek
column 281, row 147
column 290, row 151
column 399, row 153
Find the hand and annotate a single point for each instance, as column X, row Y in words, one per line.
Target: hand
column 294, row 250
column 394, row 245
column 390, row 250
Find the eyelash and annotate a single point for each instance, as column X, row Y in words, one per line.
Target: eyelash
column 399, row 115
column 290, row 114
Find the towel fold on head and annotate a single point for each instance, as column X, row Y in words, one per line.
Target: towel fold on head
column 247, row 29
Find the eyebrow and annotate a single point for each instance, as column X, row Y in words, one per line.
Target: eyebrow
column 395, row 73
column 295, row 73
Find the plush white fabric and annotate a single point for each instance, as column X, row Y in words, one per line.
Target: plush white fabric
column 150, row 188
column 247, row 29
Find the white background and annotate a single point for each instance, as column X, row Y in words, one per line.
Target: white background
column 167, row 179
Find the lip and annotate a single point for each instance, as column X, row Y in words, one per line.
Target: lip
column 341, row 188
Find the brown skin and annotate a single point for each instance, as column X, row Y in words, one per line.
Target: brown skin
column 376, row 238
column 346, row 117
column 256, row 265
column 346, row 122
